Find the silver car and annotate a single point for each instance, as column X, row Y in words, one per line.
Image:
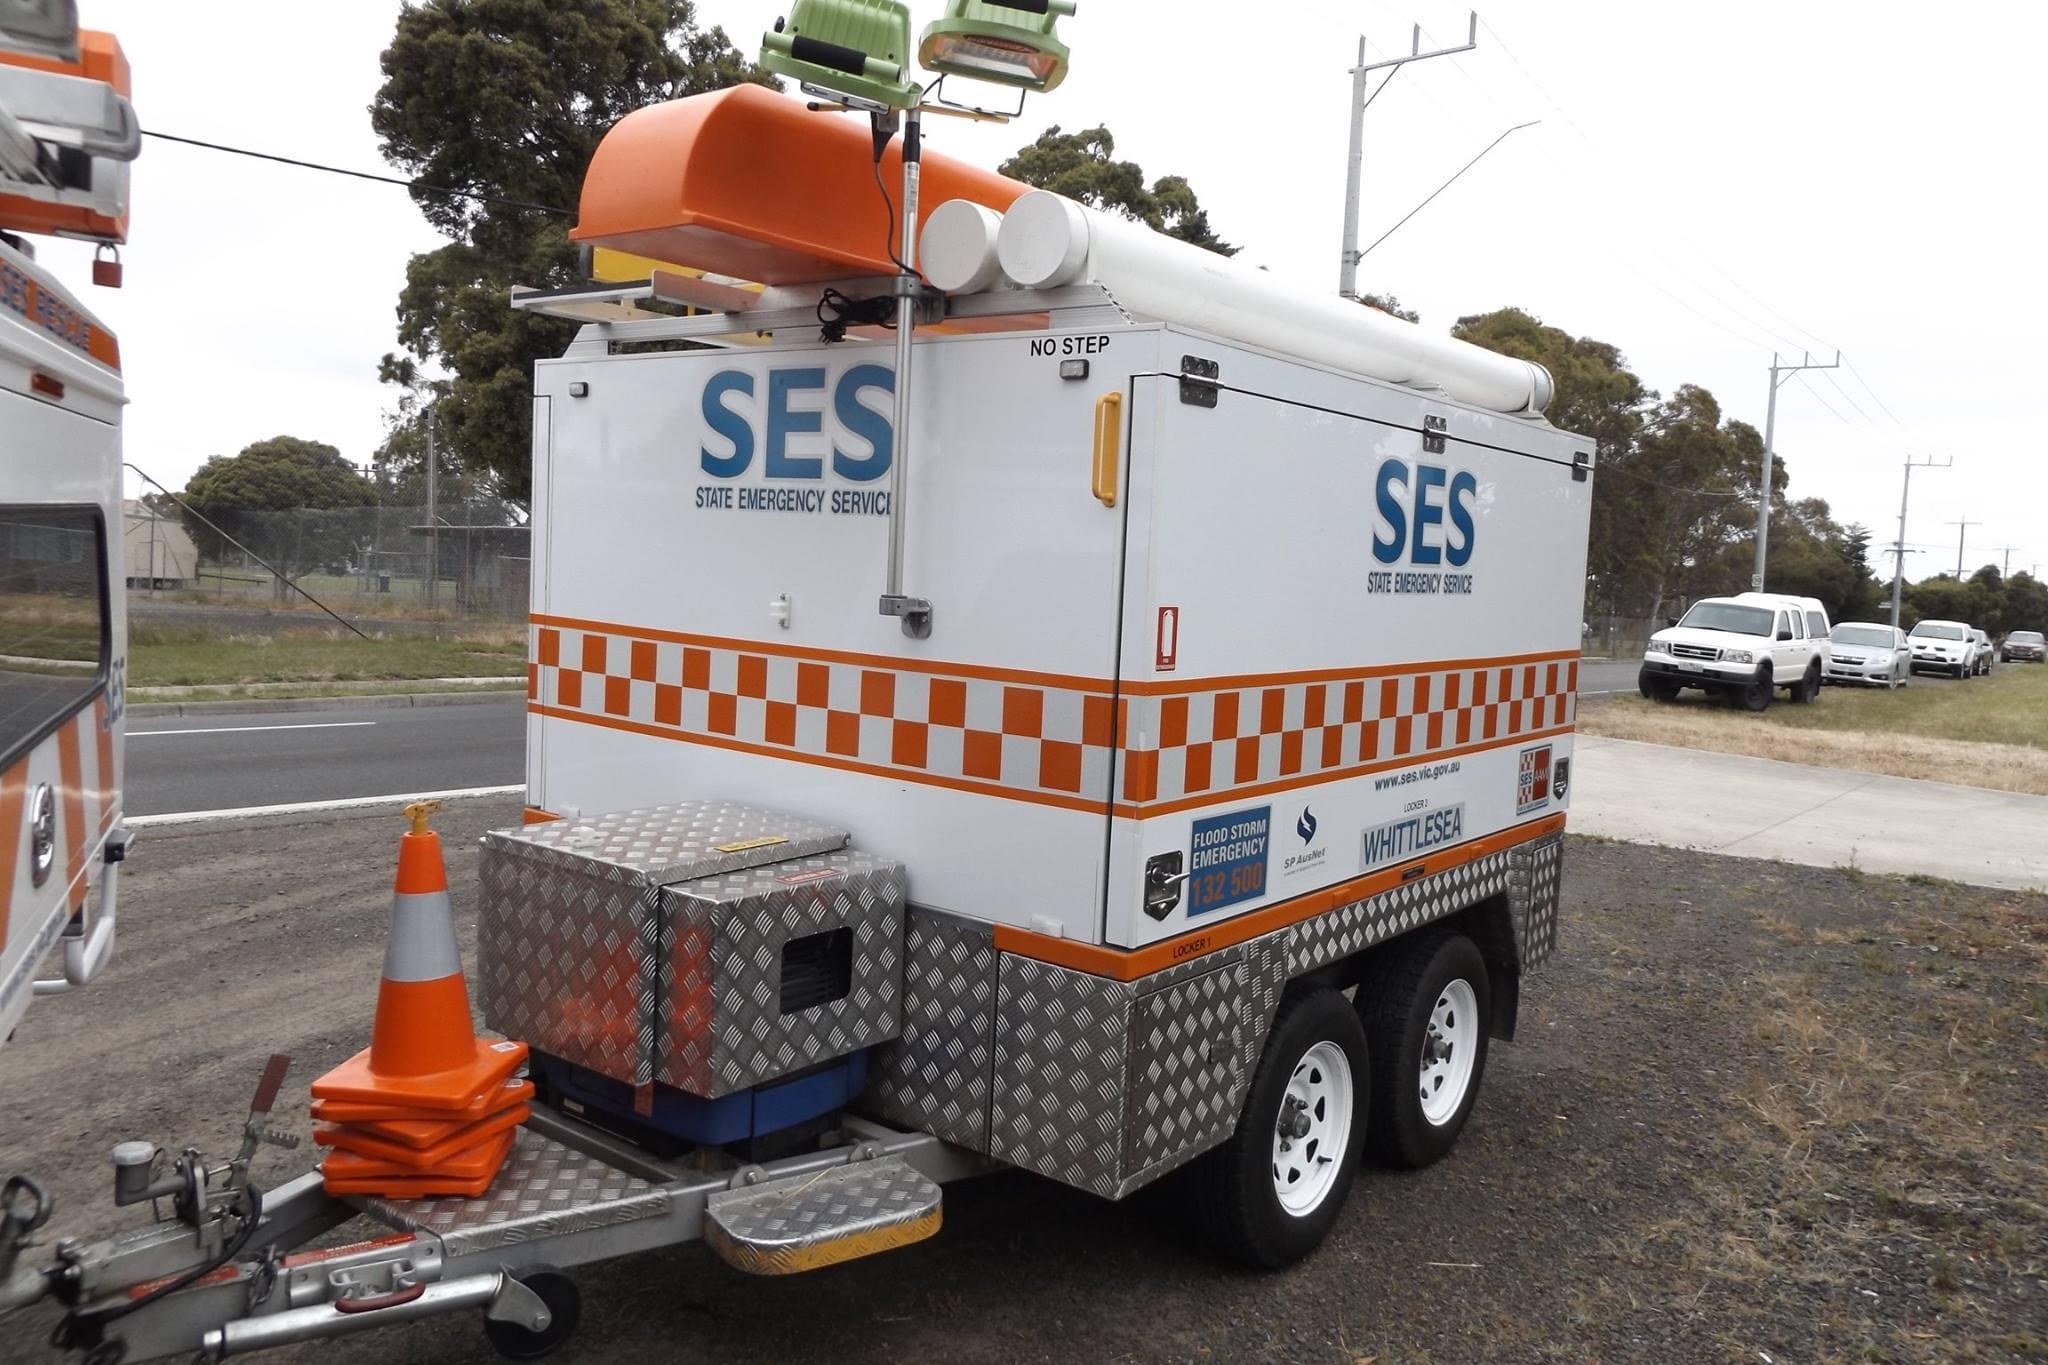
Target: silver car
column 1868, row 655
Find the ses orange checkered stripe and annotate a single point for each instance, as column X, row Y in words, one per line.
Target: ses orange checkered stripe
column 1044, row 738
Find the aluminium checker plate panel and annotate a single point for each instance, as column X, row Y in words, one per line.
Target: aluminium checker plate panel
column 1106, row 1085
column 545, row 1190
column 1350, row 928
column 1533, row 891
column 934, row 1077
column 568, row 932
column 722, row 1027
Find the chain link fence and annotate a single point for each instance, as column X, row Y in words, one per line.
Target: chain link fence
column 468, row 561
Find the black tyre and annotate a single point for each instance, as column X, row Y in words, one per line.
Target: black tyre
column 1654, row 688
column 516, row 1341
column 1270, row 1194
column 1808, row 687
column 1755, row 695
column 1426, row 1011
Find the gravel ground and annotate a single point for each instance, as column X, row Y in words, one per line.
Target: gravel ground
column 1759, row 1113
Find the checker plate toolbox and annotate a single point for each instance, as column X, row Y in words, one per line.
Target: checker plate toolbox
column 649, row 946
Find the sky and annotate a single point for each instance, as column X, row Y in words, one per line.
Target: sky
column 1706, row 184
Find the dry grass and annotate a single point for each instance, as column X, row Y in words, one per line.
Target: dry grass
column 2006, row 767
column 1886, row 1140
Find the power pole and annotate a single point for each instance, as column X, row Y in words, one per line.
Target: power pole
column 1763, row 508
column 1899, row 575
column 1962, row 529
column 1347, row 275
column 433, row 515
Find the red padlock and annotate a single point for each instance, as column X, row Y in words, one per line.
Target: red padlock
column 106, row 267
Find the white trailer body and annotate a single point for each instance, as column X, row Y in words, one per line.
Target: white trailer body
column 1239, row 666
column 1295, row 617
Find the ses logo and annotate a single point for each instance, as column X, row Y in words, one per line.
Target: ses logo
column 780, row 423
column 1533, row 780
column 1310, row 854
column 1422, row 516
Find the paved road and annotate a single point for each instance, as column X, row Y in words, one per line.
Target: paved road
column 1601, row 677
column 238, row 760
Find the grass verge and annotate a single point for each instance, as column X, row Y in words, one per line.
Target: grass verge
column 198, row 656
column 1989, row 732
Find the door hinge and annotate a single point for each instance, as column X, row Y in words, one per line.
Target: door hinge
column 1198, row 378
column 1434, row 434
column 1582, row 465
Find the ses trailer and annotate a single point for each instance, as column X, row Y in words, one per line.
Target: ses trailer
column 1141, row 746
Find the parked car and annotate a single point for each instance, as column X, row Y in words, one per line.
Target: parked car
column 1943, row 647
column 1985, row 652
column 1743, row 648
column 1868, row 655
column 2024, row 645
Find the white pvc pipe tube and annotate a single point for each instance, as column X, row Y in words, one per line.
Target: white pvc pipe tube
column 1046, row 241
column 958, row 252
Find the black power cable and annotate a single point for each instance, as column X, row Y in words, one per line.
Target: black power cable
column 441, row 190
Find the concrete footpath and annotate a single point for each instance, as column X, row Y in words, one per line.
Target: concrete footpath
column 1823, row 817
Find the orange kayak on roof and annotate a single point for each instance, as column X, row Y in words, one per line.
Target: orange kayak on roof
column 748, row 183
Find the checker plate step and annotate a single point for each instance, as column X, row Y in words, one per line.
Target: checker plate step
column 809, row 1221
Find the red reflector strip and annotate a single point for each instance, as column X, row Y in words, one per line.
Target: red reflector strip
column 46, row 386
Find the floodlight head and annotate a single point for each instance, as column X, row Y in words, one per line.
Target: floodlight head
column 1004, row 42
column 856, row 49
column 41, row 28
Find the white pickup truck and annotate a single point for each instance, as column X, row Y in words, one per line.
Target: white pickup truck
column 1743, row 647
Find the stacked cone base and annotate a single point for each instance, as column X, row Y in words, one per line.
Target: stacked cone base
column 453, row 1146
column 460, row 1088
column 467, row 1177
column 376, row 1117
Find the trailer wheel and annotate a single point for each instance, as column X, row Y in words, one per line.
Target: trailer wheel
column 565, row 1311
column 1425, row 1013
column 1270, row 1194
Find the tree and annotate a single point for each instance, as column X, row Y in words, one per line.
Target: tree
column 508, row 99
column 1387, row 303
column 286, row 498
column 1599, row 396
column 1082, row 166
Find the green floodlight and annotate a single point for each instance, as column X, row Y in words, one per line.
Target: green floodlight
column 1004, row 42
column 859, row 49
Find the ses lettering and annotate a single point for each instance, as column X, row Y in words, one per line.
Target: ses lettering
column 1413, row 499
column 726, row 415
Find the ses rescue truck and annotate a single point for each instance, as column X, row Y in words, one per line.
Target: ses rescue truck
column 67, row 134
column 1016, row 769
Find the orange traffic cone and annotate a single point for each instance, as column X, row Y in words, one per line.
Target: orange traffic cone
column 423, row 1053
column 427, row 1108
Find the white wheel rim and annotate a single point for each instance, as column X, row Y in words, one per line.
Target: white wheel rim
column 1448, row 1051
column 1314, row 1129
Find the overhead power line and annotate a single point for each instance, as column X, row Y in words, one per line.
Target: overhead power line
column 1748, row 318
column 419, row 186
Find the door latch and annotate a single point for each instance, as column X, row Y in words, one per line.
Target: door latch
column 1163, row 879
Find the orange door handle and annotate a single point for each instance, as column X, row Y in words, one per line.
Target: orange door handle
column 1109, row 426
